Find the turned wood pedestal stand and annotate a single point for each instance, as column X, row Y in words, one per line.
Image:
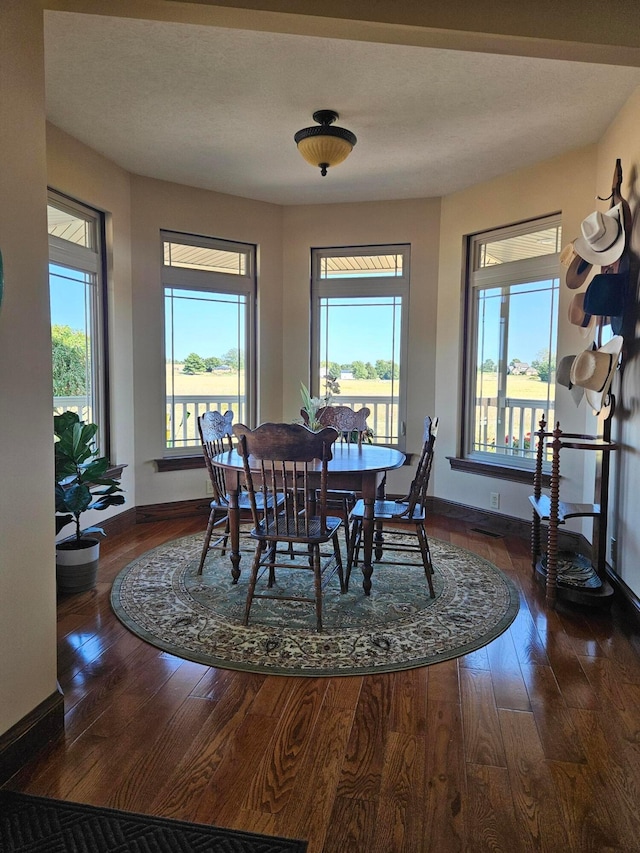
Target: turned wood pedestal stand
column 555, row 512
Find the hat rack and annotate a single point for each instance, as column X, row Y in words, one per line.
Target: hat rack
column 617, row 198
column 567, row 575
column 599, row 292
column 549, row 568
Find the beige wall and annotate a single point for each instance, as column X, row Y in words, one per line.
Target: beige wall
column 27, row 554
column 565, row 184
column 157, row 205
column 415, row 222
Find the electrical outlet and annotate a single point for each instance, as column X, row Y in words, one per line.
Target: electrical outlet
column 494, row 500
column 208, row 488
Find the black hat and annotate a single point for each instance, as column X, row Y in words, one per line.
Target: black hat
column 605, row 297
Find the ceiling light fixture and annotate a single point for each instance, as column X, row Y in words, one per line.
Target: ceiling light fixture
column 325, row 145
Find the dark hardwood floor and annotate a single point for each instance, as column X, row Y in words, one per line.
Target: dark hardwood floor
column 529, row 744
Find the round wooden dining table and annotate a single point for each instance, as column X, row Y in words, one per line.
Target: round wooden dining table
column 353, row 468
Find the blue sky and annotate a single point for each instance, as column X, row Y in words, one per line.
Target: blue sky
column 67, row 297
column 361, row 331
column 529, row 332
column 207, row 324
column 210, row 326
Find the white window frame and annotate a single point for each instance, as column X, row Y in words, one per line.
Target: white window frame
column 545, row 267
column 88, row 260
column 363, row 287
column 209, row 281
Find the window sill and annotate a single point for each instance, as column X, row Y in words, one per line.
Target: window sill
column 180, row 463
column 115, row 471
column 500, row 472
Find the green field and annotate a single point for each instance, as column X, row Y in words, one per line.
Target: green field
column 227, row 383
column 521, row 387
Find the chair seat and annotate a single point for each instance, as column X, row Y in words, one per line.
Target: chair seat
column 277, row 529
column 390, row 511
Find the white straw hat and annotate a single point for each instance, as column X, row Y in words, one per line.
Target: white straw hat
column 593, row 370
column 603, row 237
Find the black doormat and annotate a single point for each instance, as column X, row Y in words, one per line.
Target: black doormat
column 30, row 824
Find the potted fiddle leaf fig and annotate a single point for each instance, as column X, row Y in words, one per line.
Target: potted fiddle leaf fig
column 81, row 484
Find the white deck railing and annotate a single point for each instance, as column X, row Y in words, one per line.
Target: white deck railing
column 509, row 427
column 73, row 404
column 182, row 418
column 182, row 421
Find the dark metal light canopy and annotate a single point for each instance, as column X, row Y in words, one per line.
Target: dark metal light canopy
column 324, row 144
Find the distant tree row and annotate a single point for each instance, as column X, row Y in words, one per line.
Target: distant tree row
column 195, row 363
column 233, row 360
column 365, row 370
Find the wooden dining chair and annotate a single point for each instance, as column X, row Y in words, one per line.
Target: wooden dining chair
column 353, row 429
column 284, row 457
column 351, row 424
column 216, row 436
column 392, row 518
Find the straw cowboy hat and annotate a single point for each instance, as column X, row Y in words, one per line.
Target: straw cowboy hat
column 563, row 377
column 603, row 237
column 593, row 370
column 576, row 268
column 578, row 316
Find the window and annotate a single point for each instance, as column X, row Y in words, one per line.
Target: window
column 360, row 310
column 209, row 294
column 78, row 326
column 512, row 318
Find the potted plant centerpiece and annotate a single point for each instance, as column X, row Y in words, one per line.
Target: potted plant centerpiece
column 311, row 406
column 80, row 485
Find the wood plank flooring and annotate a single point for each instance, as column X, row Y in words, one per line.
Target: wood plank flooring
column 529, row 744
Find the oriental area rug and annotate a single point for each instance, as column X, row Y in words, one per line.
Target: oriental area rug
column 161, row 598
column 30, row 824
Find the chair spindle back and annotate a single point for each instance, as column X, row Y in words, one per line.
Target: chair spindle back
column 420, row 484
column 216, row 435
column 277, row 461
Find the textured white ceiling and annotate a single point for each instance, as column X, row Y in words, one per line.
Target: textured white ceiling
column 218, row 108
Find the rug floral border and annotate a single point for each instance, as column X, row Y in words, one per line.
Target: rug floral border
column 397, row 628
